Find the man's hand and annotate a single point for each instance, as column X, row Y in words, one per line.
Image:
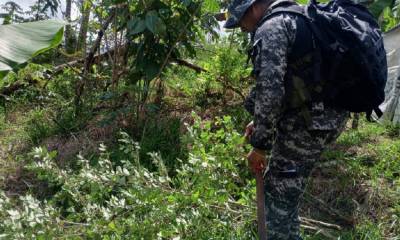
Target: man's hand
column 249, row 131
column 257, row 160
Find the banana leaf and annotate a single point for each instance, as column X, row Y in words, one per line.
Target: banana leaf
column 23, row 41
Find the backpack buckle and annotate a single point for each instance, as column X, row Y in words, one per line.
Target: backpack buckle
column 318, row 106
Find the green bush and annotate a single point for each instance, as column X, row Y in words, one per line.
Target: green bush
column 226, row 71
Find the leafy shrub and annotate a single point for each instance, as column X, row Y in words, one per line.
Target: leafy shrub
column 226, row 71
column 208, row 198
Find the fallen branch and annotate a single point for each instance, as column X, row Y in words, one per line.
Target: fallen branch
column 60, row 68
column 323, row 224
column 327, row 209
column 317, row 230
column 187, row 64
column 103, row 56
column 75, row 223
column 227, row 85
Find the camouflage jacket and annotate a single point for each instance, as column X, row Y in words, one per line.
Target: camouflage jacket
column 272, row 44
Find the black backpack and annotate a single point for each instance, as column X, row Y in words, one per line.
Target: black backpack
column 349, row 53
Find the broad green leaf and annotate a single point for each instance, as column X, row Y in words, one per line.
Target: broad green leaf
column 154, row 23
column 136, row 26
column 211, row 6
column 378, row 6
column 151, row 70
column 21, row 42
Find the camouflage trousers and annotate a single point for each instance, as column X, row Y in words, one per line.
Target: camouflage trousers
column 293, row 156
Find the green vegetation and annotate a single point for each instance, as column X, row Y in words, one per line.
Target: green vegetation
column 210, row 194
column 137, row 134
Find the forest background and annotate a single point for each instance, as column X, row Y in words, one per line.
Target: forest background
column 132, row 129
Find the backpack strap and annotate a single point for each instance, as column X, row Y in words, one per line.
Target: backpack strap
column 298, row 11
column 283, row 7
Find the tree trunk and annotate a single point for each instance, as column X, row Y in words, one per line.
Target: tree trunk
column 69, row 34
column 37, row 18
column 89, row 61
column 85, row 10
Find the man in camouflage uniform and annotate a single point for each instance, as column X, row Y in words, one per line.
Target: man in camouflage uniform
column 291, row 142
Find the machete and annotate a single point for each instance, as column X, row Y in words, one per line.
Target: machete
column 260, row 206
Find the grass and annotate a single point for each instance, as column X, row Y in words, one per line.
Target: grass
column 13, row 138
column 363, row 182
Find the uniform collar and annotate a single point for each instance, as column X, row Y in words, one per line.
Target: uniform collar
column 275, row 4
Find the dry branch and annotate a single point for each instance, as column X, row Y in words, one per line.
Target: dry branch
column 104, row 56
column 228, row 85
column 317, row 230
column 187, row 64
column 323, row 224
column 321, row 205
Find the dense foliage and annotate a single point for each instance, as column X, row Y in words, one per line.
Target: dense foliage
column 132, row 129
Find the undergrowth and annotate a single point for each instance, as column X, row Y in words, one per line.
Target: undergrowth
column 210, row 196
column 207, row 199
